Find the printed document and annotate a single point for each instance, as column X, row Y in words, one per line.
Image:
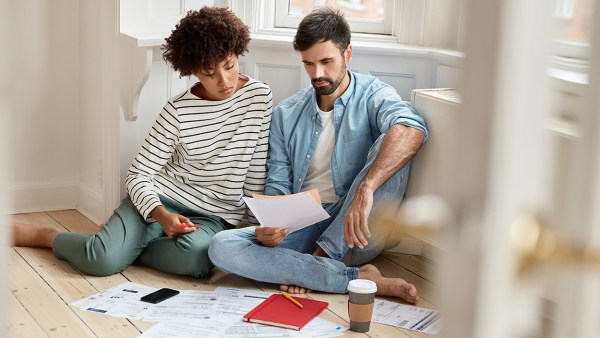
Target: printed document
column 293, row 212
column 406, row 316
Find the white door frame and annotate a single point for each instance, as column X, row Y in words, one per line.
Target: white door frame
column 506, row 170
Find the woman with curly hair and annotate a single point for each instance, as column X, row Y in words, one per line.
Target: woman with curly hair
column 207, row 149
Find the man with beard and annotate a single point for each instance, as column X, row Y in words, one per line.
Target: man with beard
column 351, row 137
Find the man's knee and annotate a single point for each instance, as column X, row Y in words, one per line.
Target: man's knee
column 228, row 249
column 357, row 256
column 218, row 250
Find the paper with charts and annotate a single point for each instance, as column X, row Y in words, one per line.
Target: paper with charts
column 293, row 212
column 406, row 316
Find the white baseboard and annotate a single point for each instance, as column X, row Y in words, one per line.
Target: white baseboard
column 58, row 196
column 42, row 197
column 90, row 204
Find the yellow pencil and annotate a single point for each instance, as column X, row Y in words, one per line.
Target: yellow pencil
column 291, row 299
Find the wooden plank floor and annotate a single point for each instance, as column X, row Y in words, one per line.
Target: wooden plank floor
column 42, row 287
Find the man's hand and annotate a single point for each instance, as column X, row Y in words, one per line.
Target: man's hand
column 356, row 225
column 269, row 236
column 172, row 224
column 399, row 145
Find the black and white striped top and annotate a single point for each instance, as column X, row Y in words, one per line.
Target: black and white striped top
column 205, row 154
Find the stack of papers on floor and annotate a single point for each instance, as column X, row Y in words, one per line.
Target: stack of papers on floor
column 192, row 313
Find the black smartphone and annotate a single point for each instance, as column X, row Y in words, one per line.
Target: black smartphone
column 159, row 295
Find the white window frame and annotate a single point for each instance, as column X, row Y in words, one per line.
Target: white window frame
column 413, row 23
column 406, row 19
column 564, row 9
column 283, row 19
column 568, row 49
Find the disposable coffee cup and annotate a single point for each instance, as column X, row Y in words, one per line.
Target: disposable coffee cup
column 361, row 296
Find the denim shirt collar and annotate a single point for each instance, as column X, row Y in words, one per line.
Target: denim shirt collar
column 343, row 99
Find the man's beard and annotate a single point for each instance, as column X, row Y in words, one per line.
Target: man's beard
column 333, row 85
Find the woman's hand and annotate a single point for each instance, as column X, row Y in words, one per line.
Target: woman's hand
column 269, row 236
column 172, row 224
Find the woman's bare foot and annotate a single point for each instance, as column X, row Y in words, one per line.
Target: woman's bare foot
column 293, row 289
column 396, row 287
column 32, row 235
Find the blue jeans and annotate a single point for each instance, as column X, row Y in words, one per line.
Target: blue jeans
column 291, row 262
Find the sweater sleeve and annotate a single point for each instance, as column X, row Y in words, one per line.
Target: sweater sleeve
column 257, row 170
column 157, row 149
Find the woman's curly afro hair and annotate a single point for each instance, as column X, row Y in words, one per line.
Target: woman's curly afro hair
column 204, row 38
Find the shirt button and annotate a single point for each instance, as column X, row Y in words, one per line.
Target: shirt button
column 307, row 156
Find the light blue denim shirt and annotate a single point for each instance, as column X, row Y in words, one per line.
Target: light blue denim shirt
column 367, row 109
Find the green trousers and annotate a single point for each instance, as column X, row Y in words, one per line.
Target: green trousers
column 127, row 236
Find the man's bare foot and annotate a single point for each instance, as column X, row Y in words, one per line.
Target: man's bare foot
column 396, row 287
column 32, row 235
column 293, row 289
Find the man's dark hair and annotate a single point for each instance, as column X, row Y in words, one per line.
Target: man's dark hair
column 202, row 39
column 321, row 25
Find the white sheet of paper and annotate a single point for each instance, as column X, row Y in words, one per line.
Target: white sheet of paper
column 184, row 329
column 226, row 305
column 293, row 212
column 321, row 328
column 188, row 305
column 317, row 328
column 122, row 300
column 234, row 303
column 406, row 316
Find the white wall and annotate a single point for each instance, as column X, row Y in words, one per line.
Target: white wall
column 99, row 108
column 161, row 15
column 90, row 111
column 44, row 117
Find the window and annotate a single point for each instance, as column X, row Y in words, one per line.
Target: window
column 374, row 16
column 574, row 20
column 380, row 24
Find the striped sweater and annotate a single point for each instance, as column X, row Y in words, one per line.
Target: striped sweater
column 205, row 154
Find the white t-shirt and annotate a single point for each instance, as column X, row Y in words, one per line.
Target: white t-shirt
column 319, row 171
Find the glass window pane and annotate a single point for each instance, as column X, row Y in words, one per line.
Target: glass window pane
column 574, row 20
column 353, row 9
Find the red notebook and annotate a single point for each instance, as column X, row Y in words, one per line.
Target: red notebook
column 279, row 311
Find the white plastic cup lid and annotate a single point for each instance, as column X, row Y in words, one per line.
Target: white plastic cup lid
column 362, row 286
